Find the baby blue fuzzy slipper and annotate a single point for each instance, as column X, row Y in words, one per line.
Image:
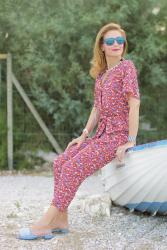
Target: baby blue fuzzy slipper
column 26, row 234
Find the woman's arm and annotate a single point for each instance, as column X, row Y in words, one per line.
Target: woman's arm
column 134, row 106
column 91, row 123
column 93, row 120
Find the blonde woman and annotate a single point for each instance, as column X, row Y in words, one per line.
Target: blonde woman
column 116, row 114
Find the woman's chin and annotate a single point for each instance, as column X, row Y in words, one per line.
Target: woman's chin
column 114, row 54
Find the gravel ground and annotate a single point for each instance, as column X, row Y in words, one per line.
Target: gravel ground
column 24, row 198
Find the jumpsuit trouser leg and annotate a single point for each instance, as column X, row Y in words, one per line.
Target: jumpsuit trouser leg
column 73, row 166
column 61, row 159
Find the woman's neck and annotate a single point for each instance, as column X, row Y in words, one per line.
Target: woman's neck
column 112, row 61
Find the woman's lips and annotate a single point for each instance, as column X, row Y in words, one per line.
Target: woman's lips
column 115, row 49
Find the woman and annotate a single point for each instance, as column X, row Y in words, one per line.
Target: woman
column 115, row 111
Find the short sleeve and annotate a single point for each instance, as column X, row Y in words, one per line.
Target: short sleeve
column 130, row 81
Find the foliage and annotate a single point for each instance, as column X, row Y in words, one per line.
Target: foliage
column 51, row 44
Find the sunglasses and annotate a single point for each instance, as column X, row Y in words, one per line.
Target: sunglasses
column 110, row 40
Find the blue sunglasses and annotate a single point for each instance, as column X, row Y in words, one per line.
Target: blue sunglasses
column 110, row 40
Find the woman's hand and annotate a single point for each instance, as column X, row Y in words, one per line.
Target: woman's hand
column 79, row 140
column 120, row 153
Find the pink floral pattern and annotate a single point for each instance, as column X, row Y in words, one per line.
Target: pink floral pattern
column 111, row 99
column 75, row 164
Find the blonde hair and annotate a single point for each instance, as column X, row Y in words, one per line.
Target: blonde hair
column 99, row 61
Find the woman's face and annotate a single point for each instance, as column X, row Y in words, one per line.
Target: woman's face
column 115, row 49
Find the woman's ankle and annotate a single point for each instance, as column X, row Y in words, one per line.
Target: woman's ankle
column 60, row 223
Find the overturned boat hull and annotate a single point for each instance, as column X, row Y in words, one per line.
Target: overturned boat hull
column 141, row 183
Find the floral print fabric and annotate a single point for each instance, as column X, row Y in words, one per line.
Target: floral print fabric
column 75, row 164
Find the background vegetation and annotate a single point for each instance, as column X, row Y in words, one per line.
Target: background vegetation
column 51, row 43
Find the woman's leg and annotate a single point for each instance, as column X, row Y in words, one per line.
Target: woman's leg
column 88, row 160
column 50, row 215
column 65, row 157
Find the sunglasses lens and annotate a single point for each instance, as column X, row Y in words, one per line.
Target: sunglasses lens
column 109, row 41
column 120, row 40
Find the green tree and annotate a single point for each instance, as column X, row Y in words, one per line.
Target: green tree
column 52, row 42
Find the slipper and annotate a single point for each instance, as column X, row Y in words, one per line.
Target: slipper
column 26, row 234
column 60, row 230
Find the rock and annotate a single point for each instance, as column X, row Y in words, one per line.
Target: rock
column 46, row 156
column 95, row 205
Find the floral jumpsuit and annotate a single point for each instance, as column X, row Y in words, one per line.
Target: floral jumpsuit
column 75, row 164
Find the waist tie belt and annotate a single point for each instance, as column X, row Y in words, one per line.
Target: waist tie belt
column 112, row 124
column 104, row 120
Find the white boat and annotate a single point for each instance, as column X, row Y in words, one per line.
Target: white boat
column 141, row 183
